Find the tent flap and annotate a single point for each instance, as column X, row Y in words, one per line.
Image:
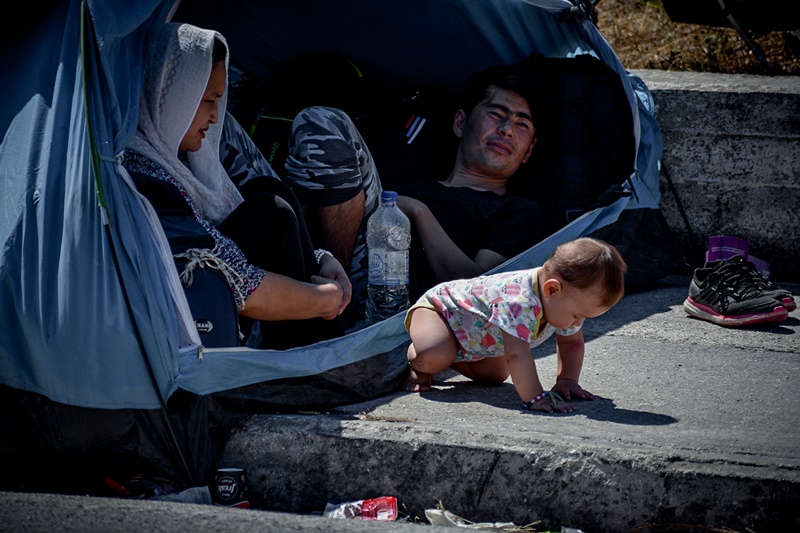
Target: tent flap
column 89, row 315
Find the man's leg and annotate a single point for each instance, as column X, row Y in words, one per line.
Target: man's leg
column 339, row 225
column 332, row 172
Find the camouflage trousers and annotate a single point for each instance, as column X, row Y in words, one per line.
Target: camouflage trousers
column 328, row 164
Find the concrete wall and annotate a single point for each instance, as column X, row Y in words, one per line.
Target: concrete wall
column 732, row 149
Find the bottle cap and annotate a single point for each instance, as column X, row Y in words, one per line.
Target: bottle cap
column 388, row 196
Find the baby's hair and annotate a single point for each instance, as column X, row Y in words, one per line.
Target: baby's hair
column 585, row 262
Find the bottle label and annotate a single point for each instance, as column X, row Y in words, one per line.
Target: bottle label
column 388, row 267
column 397, row 238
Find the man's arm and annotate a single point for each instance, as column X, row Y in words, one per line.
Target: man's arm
column 445, row 258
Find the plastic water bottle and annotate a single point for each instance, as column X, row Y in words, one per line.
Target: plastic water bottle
column 388, row 240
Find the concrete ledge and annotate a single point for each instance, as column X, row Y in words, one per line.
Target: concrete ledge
column 732, row 149
column 693, row 424
column 501, row 477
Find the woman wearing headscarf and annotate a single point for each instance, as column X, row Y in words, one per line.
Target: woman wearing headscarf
column 258, row 240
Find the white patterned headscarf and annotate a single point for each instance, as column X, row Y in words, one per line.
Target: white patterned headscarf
column 178, row 60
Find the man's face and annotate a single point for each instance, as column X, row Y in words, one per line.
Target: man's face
column 498, row 135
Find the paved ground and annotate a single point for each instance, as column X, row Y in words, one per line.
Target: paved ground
column 694, row 424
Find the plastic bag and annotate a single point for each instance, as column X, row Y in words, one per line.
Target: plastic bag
column 383, row 509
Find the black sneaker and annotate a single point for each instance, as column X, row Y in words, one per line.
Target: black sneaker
column 749, row 271
column 725, row 294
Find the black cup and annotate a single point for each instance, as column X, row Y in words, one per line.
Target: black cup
column 229, row 487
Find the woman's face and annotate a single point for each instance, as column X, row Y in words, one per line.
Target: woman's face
column 207, row 112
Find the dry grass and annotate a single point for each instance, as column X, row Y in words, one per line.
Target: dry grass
column 644, row 37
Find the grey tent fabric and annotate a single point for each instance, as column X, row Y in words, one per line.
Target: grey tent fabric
column 67, row 332
column 91, row 315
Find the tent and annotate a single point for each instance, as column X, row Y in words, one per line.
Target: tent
column 101, row 369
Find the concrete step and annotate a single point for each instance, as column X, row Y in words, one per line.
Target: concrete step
column 694, row 424
column 732, row 149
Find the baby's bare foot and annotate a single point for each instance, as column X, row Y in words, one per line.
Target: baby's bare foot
column 418, row 382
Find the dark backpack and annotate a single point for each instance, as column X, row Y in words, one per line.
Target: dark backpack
column 584, row 153
column 267, row 109
column 411, row 135
column 586, row 146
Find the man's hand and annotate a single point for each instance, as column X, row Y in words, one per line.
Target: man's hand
column 446, row 259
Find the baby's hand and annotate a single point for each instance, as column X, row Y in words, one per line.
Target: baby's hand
column 570, row 390
column 561, row 407
column 548, row 402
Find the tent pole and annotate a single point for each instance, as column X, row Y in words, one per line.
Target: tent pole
column 678, row 202
column 751, row 43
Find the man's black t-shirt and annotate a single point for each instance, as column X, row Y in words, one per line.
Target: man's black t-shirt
column 475, row 220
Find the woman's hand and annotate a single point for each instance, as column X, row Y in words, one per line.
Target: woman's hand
column 279, row 297
column 331, row 269
column 330, row 291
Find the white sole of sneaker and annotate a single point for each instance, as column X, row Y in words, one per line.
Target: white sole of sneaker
column 703, row 312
